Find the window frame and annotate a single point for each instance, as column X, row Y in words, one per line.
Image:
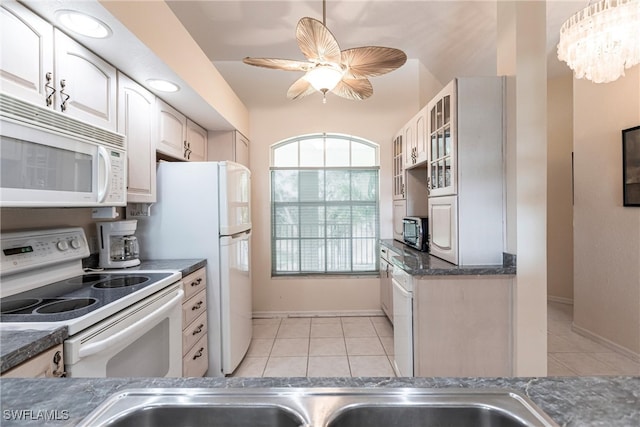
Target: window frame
column 375, row 167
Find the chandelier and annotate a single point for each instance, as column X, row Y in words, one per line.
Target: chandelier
column 603, row 39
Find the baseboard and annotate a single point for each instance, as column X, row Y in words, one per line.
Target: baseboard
column 605, row 342
column 345, row 313
column 561, row 300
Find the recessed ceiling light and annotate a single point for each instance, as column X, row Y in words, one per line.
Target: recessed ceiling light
column 163, row 85
column 83, row 24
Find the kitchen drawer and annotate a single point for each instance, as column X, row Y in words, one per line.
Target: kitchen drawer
column 194, row 282
column 196, row 362
column 193, row 332
column 193, row 307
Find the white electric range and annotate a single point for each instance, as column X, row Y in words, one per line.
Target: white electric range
column 121, row 322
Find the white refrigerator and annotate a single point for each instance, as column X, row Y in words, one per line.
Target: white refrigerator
column 203, row 211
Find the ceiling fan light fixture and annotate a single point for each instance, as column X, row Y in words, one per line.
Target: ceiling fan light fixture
column 324, row 78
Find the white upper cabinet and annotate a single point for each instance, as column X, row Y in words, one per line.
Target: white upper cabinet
column 416, row 140
column 50, row 69
column 26, row 68
column 196, row 149
column 409, row 142
column 136, row 120
column 229, row 145
column 179, row 137
column 172, row 131
column 442, row 142
column 466, row 172
column 398, row 167
column 86, row 84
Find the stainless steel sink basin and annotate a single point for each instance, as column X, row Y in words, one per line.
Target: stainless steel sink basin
column 318, row 407
column 212, row 415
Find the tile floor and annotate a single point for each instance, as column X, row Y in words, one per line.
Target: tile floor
column 363, row 346
column 570, row 354
column 319, row 347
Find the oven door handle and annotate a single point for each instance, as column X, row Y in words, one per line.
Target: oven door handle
column 93, row 348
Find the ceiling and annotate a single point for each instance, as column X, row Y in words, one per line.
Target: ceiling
column 450, row 38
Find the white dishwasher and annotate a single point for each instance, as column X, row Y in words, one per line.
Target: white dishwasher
column 402, row 322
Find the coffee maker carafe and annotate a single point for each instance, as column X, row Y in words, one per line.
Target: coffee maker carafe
column 118, row 245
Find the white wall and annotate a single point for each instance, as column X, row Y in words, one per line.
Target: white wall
column 606, row 234
column 394, row 102
column 559, row 189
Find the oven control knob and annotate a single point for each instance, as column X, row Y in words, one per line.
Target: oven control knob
column 62, row 245
column 75, row 243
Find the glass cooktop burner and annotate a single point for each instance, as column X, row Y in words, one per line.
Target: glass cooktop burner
column 66, row 305
column 121, row 282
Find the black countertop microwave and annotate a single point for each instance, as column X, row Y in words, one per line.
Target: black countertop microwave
column 415, row 232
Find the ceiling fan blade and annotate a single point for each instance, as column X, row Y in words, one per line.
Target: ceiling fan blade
column 299, row 89
column 371, row 61
column 279, row 64
column 316, row 41
column 357, row 89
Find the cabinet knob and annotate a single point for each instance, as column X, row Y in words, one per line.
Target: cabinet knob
column 197, row 306
column 199, row 353
column 198, row 329
column 196, row 282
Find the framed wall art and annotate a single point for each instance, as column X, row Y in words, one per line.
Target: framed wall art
column 631, row 166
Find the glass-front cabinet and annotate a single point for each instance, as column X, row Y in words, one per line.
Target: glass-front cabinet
column 442, row 143
column 398, row 168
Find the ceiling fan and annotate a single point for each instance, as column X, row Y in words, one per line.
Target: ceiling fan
column 345, row 73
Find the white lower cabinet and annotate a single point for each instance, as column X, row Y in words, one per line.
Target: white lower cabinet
column 463, row 326
column 195, row 359
column 386, row 293
column 48, row 364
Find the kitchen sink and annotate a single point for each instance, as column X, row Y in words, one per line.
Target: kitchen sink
column 212, row 415
column 318, row 407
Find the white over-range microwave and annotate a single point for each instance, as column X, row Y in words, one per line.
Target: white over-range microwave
column 48, row 159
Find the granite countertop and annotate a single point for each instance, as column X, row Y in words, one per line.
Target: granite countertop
column 418, row 263
column 17, row 346
column 185, row 266
column 569, row 401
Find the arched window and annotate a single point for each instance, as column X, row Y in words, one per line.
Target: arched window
column 324, row 205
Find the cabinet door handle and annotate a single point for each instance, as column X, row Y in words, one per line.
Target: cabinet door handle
column 196, row 282
column 199, row 353
column 57, row 372
column 49, row 86
column 196, row 306
column 65, row 97
column 198, row 329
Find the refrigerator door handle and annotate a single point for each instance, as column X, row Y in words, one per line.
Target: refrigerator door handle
column 229, row 240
